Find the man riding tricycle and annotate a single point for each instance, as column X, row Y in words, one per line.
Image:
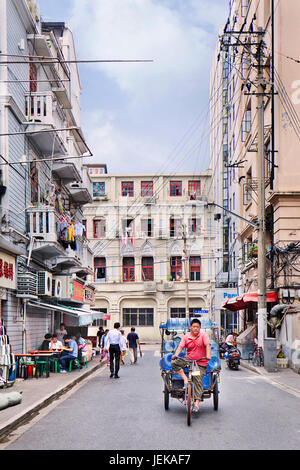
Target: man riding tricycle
column 190, row 365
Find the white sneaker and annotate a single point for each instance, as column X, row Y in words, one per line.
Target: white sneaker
column 63, row 371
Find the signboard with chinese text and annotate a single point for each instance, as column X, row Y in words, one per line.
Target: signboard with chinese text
column 7, row 271
column 77, row 291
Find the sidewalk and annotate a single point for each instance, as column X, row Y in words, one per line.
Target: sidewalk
column 38, row 393
column 284, row 378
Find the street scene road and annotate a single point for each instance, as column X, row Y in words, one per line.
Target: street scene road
column 128, row 414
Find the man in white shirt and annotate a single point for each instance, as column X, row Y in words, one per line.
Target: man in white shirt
column 55, row 344
column 115, row 345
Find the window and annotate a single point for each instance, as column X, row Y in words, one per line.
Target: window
column 127, row 188
column 99, row 228
column 247, row 123
column 179, row 312
column 146, row 226
column 100, row 269
column 127, row 227
column 175, row 188
column 128, row 269
column 176, row 268
column 175, row 228
column 147, row 269
column 147, row 188
column 195, row 268
column 195, row 226
column 195, row 188
column 98, row 189
column 34, row 181
column 138, row 317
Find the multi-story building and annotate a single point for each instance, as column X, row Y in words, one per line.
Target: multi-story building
column 258, row 41
column 224, row 189
column 152, row 240
column 45, row 265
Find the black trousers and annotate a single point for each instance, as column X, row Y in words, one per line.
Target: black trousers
column 114, row 358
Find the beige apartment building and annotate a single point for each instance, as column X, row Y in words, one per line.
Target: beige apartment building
column 152, row 241
column 276, row 24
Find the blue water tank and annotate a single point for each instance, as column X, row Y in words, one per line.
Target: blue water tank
column 178, row 324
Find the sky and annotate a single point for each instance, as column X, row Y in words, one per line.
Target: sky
column 144, row 117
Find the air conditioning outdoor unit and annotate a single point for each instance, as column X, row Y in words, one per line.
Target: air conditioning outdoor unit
column 44, row 283
column 57, row 288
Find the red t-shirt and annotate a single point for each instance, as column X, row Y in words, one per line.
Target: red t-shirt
column 196, row 347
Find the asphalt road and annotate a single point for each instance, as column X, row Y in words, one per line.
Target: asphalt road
column 128, row 414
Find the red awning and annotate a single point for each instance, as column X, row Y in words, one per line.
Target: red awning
column 242, row 301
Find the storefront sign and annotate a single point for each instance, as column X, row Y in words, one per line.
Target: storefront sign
column 7, row 271
column 77, row 291
column 89, row 295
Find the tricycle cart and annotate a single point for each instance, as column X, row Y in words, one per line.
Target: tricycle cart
column 171, row 333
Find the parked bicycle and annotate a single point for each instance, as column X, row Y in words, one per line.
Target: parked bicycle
column 257, row 356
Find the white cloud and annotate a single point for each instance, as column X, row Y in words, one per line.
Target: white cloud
column 160, row 99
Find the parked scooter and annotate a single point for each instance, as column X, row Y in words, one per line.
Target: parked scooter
column 232, row 357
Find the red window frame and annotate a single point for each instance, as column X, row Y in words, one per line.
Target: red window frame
column 195, row 267
column 147, row 268
column 176, row 268
column 101, row 229
column 176, row 188
column 195, row 188
column 99, row 263
column 127, row 188
column 147, row 188
column 128, row 274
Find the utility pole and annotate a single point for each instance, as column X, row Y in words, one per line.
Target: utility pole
column 186, row 273
column 261, row 245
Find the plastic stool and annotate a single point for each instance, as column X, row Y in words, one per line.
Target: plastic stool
column 27, row 369
column 55, row 365
column 41, row 367
column 71, row 362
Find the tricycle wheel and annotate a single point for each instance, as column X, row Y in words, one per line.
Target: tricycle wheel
column 166, row 397
column 216, row 395
column 189, row 404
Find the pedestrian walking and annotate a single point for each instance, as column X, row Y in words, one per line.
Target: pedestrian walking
column 104, row 345
column 133, row 343
column 100, row 333
column 123, row 348
column 115, row 344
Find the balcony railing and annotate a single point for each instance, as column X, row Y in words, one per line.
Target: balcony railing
column 38, row 107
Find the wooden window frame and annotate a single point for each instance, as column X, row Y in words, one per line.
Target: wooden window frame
column 195, row 268
column 177, row 268
column 176, row 185
column 128, row 188
column 146, row 188
column 99, row 262
column 128, row 271
column 147, row 269
column 102, row 223
column 195, row 188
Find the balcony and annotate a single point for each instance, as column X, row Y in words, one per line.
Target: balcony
column 65, row 171
column 42, row 121
column 42, row 226
column 81, row 193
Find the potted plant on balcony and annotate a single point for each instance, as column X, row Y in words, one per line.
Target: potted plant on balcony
column 253, row 251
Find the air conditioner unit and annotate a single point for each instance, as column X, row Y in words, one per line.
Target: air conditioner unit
column 44, row 283
column 57, row 288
